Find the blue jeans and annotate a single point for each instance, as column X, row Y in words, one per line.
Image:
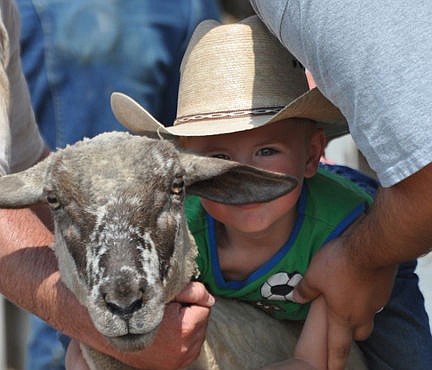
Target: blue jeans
column 75, row 53
column 401, row 338
column 45, row 350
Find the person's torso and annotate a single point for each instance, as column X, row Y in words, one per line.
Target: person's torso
column 327, row 206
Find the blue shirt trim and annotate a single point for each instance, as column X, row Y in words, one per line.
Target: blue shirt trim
column 347, row 221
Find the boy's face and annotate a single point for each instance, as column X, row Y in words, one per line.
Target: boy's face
column 292, row 147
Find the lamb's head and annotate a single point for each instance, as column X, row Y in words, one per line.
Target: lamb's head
column 121, row 236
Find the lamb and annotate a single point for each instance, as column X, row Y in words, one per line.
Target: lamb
column 124, row 249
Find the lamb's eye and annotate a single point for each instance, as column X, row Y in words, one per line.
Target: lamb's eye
column 177, row 186
column 53, row 201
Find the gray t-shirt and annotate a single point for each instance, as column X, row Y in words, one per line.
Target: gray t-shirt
column 20, row 142
column 373, row 59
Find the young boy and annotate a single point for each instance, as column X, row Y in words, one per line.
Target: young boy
column 243, row 97
column 258, row 252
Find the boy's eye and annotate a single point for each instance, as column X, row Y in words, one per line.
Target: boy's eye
column 221, row 156
column 265, row 152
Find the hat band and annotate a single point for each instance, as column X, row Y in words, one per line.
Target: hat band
column 227, row 114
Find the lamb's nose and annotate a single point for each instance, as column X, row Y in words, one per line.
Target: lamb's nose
column 124, row 310
column 123, row 294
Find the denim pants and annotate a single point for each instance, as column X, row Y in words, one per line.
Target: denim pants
column 75, row 53
column 401, row 339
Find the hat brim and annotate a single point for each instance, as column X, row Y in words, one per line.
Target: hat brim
column 311, row 105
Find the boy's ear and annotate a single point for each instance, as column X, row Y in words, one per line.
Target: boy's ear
column 316, row 148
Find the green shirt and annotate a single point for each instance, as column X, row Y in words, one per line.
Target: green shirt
column 328, row 204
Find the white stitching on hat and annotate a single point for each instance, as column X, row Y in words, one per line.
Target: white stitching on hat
column 228, row 114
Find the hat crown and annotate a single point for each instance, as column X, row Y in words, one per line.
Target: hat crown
column 249, row 70
column 235, row 77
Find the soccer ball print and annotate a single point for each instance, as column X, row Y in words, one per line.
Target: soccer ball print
column 279, row 287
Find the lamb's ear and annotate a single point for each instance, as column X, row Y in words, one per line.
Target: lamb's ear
column 231, row 182
column 24, row 188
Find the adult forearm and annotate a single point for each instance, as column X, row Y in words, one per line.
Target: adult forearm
column 31, row 280
column 24, row 259
column 398, row 226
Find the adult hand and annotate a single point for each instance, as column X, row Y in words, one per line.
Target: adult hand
column 352, row 294
column 184, row 327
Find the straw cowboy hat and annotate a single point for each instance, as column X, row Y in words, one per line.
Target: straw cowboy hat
column 235, row 77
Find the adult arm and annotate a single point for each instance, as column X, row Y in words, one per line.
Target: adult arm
column 359, row 267
column 21, row 145
column 31, row 280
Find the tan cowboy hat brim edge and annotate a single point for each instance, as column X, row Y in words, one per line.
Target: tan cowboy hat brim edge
column 311, row 105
